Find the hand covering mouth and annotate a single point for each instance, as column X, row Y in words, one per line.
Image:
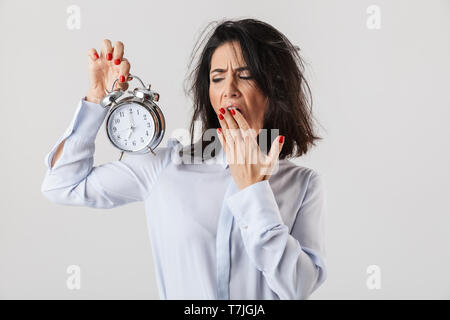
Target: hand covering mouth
column 237, row 107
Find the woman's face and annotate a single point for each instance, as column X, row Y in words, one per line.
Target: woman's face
column 229, row 85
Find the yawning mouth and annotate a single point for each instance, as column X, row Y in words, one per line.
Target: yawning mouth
column 237, row 108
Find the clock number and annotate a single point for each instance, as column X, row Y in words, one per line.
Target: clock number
column 146, row 132
column 114, row 129
column 145, row 117
column 116, row 121
column 142, row 139
column 134, row 142
column 131, row 110
column 118, row 137
column 137, row 112
column 121, row 114
column 148, row 124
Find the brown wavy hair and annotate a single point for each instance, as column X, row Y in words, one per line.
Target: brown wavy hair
column 278, row 70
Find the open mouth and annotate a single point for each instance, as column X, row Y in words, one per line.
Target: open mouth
column 234, row 107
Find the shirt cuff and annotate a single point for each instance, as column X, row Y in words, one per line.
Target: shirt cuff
column 88, row 119
column 86, row 122
column 255, row 206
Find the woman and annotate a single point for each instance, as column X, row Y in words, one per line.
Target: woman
column 223, row 226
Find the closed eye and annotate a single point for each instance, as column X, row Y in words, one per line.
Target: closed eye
column 220, row 79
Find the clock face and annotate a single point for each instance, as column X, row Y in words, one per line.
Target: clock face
column 131, row 127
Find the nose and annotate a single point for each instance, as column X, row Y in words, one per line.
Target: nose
column 231, row 90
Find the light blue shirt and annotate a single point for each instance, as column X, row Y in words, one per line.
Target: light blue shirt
column 269, row 244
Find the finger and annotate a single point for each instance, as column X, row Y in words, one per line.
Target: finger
column 123, row 86
column 243, row 124
column 231, row 123
column 247, row 141
column 223, row 124
column 118, row 52
column 226, row 146
column 92, row 54
column 251, row 150
column 221, row 137
column 125, row 69
column 107, row 50
column 229, row 140
column 124, row 74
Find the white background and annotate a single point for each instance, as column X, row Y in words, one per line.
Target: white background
column 381, row 98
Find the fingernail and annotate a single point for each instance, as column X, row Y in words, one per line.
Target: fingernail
column 109, row 56
column 222, row 110
column 122, row 78
column 220, row 116
column 117, row 62
column 281, row 139
column 233, row 112
column 96, row 55
column 219, row 130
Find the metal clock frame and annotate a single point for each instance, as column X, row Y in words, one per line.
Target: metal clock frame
column 143, row 97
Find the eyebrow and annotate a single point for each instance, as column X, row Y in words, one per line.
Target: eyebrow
column 237, row 69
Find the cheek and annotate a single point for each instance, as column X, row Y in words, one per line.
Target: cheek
column 259, row 104
column 213, row 97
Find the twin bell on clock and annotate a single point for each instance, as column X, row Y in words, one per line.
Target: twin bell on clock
column 134, row 124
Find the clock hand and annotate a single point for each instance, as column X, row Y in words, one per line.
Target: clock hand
column 124, row 129
column 131, row 131
column 131, row 120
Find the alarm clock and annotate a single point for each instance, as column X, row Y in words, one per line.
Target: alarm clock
column 134, row 124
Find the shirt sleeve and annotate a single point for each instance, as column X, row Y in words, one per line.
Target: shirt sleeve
column 293, row 263
column 74, row 181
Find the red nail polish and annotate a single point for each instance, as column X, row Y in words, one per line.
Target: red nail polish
column 96, row 55
column 116, row 61
column 220, row 116
column 281, row 139
column 122, row 78
column 219, row 130
column 109, row 56
column 233, row 112
column 222, row 110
